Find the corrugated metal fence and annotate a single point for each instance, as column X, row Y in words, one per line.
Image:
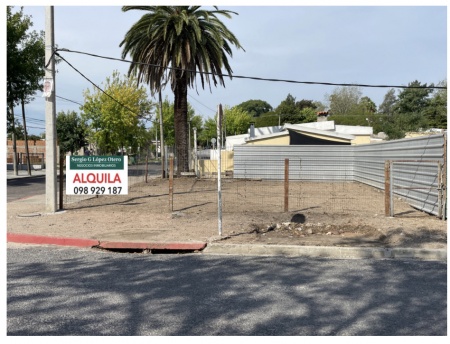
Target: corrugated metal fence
column 416, row 182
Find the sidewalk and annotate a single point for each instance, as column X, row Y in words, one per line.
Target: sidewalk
column 24, row 174
column 29, row 224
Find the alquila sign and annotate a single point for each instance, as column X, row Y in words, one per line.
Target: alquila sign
column 96, row 175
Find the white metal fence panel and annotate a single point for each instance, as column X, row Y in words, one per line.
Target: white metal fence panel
column 416, row 182
column 312, row 163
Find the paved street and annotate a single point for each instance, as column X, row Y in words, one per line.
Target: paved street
column 66, row 291
column 23, row 186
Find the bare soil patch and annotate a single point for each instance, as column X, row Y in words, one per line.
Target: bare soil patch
column 324, row 214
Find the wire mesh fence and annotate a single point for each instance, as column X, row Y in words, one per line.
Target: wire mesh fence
column 326, row 180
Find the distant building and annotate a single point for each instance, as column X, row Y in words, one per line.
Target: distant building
column 322, row 132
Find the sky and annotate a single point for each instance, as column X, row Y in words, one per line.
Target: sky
column 388, row 45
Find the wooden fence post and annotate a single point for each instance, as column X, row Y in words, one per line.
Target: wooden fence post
column 388, row 208
column 146, row 168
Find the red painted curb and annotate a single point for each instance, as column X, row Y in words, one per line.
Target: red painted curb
column 195, row 246
column 43, row 240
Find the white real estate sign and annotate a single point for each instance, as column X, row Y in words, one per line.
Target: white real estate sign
column 96, row 175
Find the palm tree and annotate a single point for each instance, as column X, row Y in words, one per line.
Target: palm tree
column 177, row 43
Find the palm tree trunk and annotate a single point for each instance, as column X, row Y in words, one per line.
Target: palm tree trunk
column 181, row 123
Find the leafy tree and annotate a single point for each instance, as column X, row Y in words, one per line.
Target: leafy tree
column 387, row 106
column 367, row 105
column 409, row 111
column 117, row 116
column 292, row 111
column 288, row 109
column 71, row 132
column 209, row 131
column 255, row 108
column 268, row 119
column 401, row 123
column 182, row 40
column 237, row 121
column 344, row 100
column 436, row 112
column 413, row 99
column 25, row 67
column 307, row 115
column 305, row 103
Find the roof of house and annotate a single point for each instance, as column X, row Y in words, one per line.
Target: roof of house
column 319, row 132
column 325, row 128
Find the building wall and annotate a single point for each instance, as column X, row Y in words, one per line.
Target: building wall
column 278, row 140
column 34, row 148
column 361, row 140
column 209, row 167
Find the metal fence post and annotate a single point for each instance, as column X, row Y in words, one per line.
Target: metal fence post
column 171, row 182
column 286, row 185
column 219, row 168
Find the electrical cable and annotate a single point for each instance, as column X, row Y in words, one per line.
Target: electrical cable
column 257, row 78
column 101, row 90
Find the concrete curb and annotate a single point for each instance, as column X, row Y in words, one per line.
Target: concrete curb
column 45, row 240
column 172, row 246
column 243, row 249
column 327, row 252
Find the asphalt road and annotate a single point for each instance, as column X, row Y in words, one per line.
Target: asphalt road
column 65, row 291
column 24, row 187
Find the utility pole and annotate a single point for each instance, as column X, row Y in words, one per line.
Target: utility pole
column 50, row 114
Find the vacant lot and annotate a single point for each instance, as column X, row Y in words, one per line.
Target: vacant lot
column 253, row 211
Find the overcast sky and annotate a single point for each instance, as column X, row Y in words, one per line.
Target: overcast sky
column 382, row 45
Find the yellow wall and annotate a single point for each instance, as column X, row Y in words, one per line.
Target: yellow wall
column 276, row 141
column 206, row 167
column 361, row 140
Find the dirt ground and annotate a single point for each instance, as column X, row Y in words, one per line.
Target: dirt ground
column 321, row 214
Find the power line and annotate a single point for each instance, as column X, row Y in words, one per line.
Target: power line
column 101, row 90
column 256, row 78
column 72, row 101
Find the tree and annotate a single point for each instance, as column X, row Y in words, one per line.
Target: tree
column 177, row 44
column 117, row 115
column 209, row 131
column 287, row 109
column 436, row 112
column 387, row 106
column 367, row 105
column 292, row 111
column 71, row 131
column 25, row 67
column 237, row 121
column 305, row 103
column 169, row 131
column 255, row 108
column 413, row 99
column 344, row 100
